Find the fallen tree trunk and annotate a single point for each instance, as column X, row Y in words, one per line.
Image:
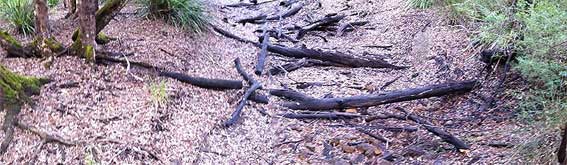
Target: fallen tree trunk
column 318, row 24
column 218, row 84
column 292, row 66
column 328, row 116
column 236, row 114
column 379, row 99
column 334, row 57
column 445, row 136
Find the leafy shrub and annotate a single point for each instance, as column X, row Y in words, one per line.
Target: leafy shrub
column 19, row 13
column 189, row 14
column 537, row 31
column 52, row 3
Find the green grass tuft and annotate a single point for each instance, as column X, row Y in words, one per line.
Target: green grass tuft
column 19, row 13
column 187, row 14
column 421, row 4
column 159, row 93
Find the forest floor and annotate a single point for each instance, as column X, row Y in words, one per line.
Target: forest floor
column 115, row 116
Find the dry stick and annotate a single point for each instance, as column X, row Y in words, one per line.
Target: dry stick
column 216, row 84
column 236, row 114
column 343, row 27
column 48, row 138
column 389, row 83
column 384, row 98
column 459, row 144
column 328, row 116
column 376, row 136
column 263, row 52
column 263, row 18
column 244, row 4
column 259, row 98
column 319, row 23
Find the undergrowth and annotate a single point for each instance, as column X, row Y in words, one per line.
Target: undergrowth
column 19, row 13
column 158, row 92
column 537, row 31
column 52, row 3
column 187, row 14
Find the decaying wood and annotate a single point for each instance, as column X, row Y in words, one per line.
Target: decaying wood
column 326, row 21
column 218, row 84
column 445, row 136
column 245, row 4
column 334, row 57
column 236, row 114
column 263, row 52
column 379, row 99
column 291, row 95
column 292, row 66
column 326, row 115
column 345, row 26
column 10, row 120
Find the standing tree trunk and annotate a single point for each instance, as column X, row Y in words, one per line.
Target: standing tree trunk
column 41, row 18
column 85, row 44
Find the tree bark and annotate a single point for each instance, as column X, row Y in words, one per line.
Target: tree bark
column 41, row 19
column 377, row 99
column 87, row 33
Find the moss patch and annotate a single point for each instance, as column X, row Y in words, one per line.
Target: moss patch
column 9, row 39
column 16, row 89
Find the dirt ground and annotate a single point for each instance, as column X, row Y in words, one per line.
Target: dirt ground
column 113, row 115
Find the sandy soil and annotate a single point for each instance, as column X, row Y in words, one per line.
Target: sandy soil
column 113, row 114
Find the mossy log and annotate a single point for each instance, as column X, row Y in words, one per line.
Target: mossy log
column 15, row 91
column 16, row 49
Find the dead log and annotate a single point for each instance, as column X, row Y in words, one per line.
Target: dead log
column 291, row 95
column 385, row 98
column 445, row 136
column 263, row 52
column 236, row 114
column 259, row 98
column 343, row 27
column 328, row 116
column 245, row 4
column 292, row 66
column 334, row 57
column 318, row 24
column 217, row 84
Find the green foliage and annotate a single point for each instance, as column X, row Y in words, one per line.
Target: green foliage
column 188, row 14
column 52, row 3
column 537, row 31
column 159, row 93
column 421, row 4
column 19, row 13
